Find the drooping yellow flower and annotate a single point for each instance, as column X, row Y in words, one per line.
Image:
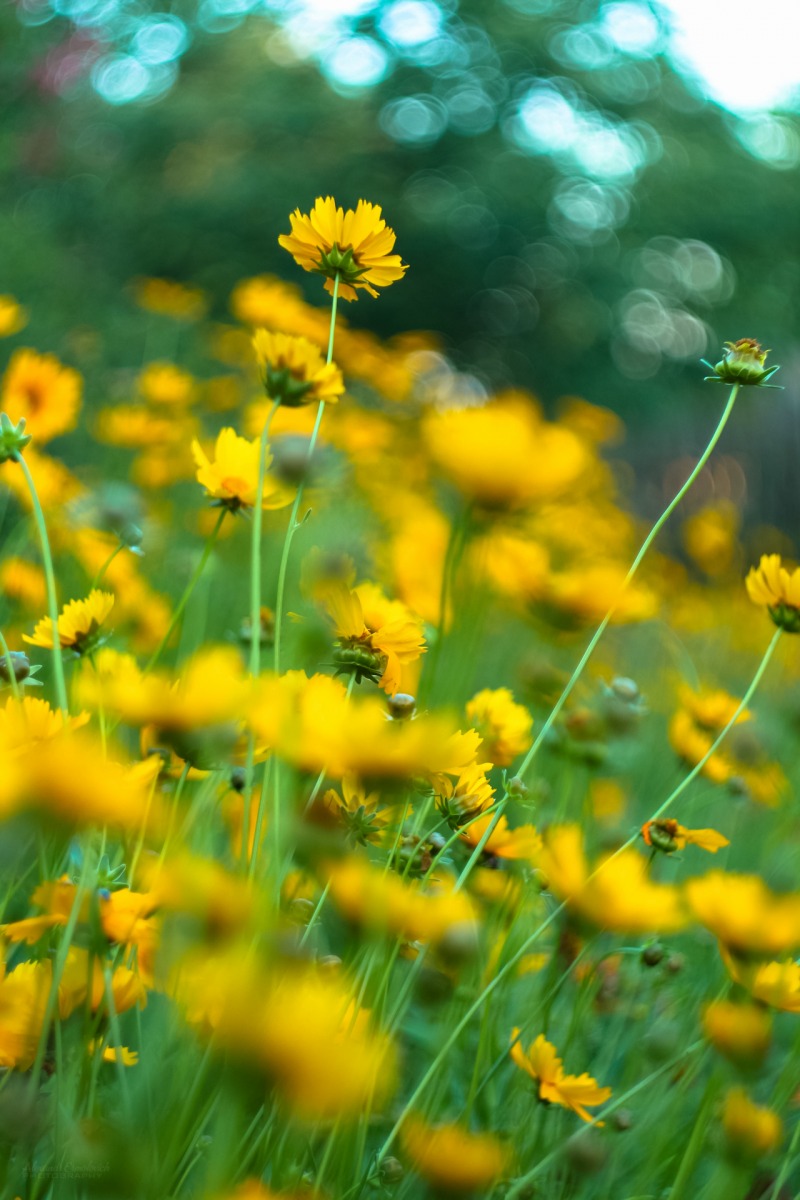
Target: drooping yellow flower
column 170, row 299
column 231, row 479
column 359, row 811
column 164, row 383
column 13, row 316
column 356, row 245
column 40, row 389
column 742, row 1032
column 541, row 1062
column 450, row 1158
column 667, row 835
column 752, row 1131
column 377, row 636
column 777, row 589
column 504, row 725
column 295, row 371
column 79, row 624
column 617, row 894
column 744, row 914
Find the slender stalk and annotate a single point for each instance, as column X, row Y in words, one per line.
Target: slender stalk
column 480, row 1000
column 50, row 579
column 191, row 585
column 255, row 547
column 634, row 567
column 293, row 525
column 12, row 679
column 98, row 579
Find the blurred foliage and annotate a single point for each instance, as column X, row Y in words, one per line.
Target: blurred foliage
column 595, row 222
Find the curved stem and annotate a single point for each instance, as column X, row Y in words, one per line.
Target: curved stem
column 98, row 579
column 476, row 1005
column 293, row 525
column 645, row 546
column 12, row 678
column 50, row 579
column 184, row 600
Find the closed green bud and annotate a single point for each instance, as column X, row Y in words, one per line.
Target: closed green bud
column 13, row 438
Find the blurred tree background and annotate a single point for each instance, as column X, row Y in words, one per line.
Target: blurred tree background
column 579, row 217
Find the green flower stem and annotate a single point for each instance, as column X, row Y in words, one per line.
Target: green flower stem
column 99, row 577
column 645, row 546
column 255, row 548
column 785, row 1165
column 191, row 585
column 480, row 1000
column 50, row 578
column 694, row 1147
column 293, row 524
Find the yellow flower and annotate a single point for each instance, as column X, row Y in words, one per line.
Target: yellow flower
column 112, row 1054
column 710, row 538
column 23, row 1000
column 266, row 301
column 40, row 389
column 752, row 1131
column 667, row 835
column 377, row 900
column 231, row 480
column 377, row 636
column 164, row 383
column 27, row 721
column 134, row 426
column 742, row 1032
column 24, row 582
column 504, row 725
column 358, row 811
column 170, row 299
column 775, row 588
column 13, row 316
column 460, row 799
column 450, row 1158
column 774, row 983
column 78, row 624
column 541, row 1062
column 744, row 914
column 523, row 842
column 616, row 895
column 295, row 371
column 355, row 245
column 742, row 362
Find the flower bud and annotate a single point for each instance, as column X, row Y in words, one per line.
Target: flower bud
column 401, row 706
column 652, row 954
column 742, row 362
column 20, row 665
column 13, row 438
column 391, row 1171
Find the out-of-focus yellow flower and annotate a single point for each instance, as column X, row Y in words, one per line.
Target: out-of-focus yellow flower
column 23, row 582
column 231, row 479
column 585, row 593
column 170, row 299
column 377, row 636
column 135, row 426
column 744, row 914
column 617, row 894
column 310, row 723
column 200, row 888
column 40, row 389
column 269, row 302
column 503, row 454
column 752, row 1131
column 693, row 730
column 13, row 317
column 607, row 798
column 55, row 484
column 742, row 1032
column 23, row 1000
column 377, row 900
column 667, row 835
column 211, row 688
column 775, row 588
column 523, row 842
column 84, row 980
column 710, row 538
column 112, row 1054
column 504, row 725
column 295, row 372
column 774, row 983
column 356, row 245
column 164, row 383
column 29, row 720
column 79, row 624
column 300, row 1026
column 541, row 1062
column 450, row 1158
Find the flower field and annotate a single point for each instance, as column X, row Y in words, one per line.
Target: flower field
column 385, row 813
